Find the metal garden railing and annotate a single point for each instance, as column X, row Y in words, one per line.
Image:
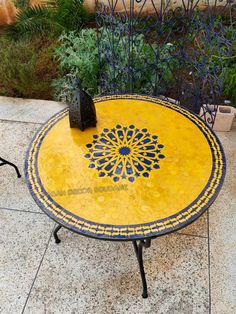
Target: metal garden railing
column 169, row 49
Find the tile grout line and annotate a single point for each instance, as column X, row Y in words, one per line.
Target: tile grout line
column 18, row 121
column 37, row 272
column 191, row 235
column 209, row 261
column 21, row 210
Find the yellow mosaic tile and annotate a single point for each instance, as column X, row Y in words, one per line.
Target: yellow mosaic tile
column 147, row 168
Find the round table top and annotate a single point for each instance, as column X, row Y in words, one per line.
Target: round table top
column 148, row 168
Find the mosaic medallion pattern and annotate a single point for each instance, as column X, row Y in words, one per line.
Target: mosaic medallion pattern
column 124, row 153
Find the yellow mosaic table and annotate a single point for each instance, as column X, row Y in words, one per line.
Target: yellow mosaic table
column 148, row 168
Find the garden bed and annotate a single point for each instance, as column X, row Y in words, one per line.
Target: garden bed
column 47, row 48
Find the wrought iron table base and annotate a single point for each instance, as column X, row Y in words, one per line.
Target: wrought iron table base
column 5, row 162
column 138, row 248
column 57, row 240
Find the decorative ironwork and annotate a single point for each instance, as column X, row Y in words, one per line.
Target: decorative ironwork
column 165, row 49
column 125, row 153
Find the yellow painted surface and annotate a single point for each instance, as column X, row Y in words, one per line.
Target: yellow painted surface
column 65, row 174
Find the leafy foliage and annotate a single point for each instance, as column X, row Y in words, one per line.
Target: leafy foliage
column 26, row 70
column 78, row 57
column 21, row 4
column 70, row 14
column 211, row 56
column 229, row 73
column 151, row 64
column 50, row 18
column 207, row 68
column 230, row 81
column 33, row 22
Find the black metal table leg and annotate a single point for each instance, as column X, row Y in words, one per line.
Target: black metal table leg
column 57, row 240
column 138, row 248
column 5, row 162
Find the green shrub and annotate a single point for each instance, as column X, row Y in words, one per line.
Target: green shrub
column 50, row 18
column 33, row 22
column 26, row 71
column 230, row 83
column 229, row 90
column 21, row 4
column 78, row 57
column 213, row 62
column 148, row 70
column 71, row 14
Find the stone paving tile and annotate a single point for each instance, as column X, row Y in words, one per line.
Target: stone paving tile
column 82, row 275
column 198, row 227
column 15, row 139
column 23, row 240
column 223, row 236
column 28, row 110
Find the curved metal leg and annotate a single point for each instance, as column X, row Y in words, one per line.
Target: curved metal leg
column 5, row 162
column 138, row 248
column 57, row 240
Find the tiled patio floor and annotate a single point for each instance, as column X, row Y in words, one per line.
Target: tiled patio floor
column 190, row 271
